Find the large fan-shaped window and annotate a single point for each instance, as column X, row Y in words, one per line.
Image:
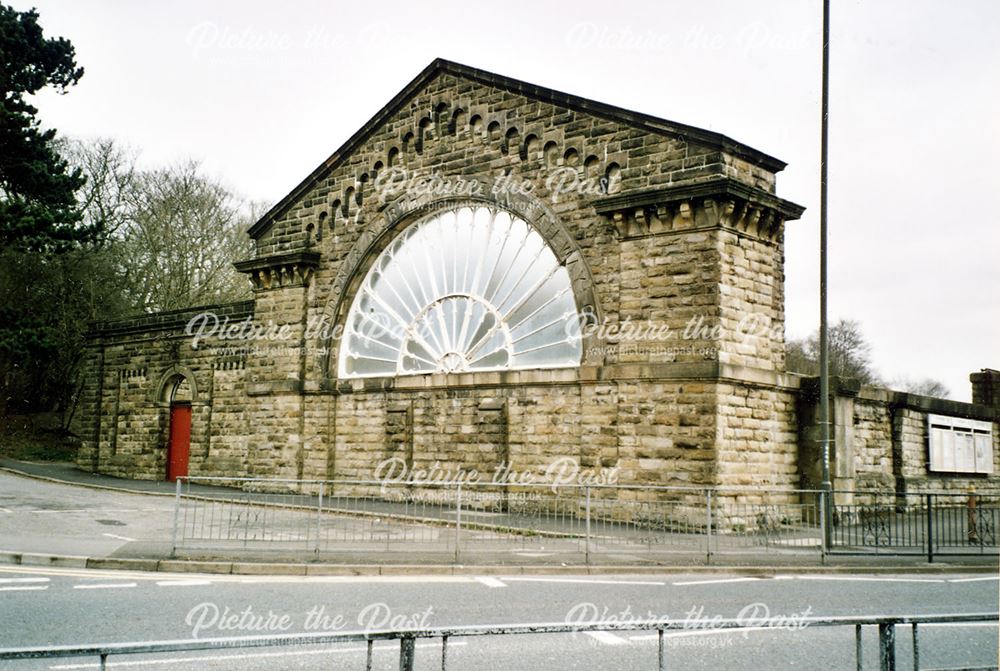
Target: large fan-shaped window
column 474, row 289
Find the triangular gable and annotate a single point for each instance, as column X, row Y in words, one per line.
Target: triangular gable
column 441, row 66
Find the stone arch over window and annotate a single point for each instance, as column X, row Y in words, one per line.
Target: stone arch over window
column 472, row 288
column 177, row 385
column 406, row 213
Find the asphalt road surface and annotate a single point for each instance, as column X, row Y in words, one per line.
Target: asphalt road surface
column 46, row 606
column 47, row 517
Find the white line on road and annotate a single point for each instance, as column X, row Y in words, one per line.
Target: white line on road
column 75, row 510
column 95, row 511
column 117, row 537
column 107, row 574
column 607, row 638
column 992, row 577
column 582, row 581
column 182, row 583
column 24, row 588
column 702, row 632
column 10, row 580
column 5, row 510
column 252, row 655
column 720, row 581
column 87, row 573
column 844, row 578
column 303, row 579
column 491, row 582
column 112, row 585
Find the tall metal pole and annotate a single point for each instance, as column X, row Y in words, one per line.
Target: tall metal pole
column 824, row 344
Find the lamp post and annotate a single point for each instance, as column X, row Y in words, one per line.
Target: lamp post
column 824, row 344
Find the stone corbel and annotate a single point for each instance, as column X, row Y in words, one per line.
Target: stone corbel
column 620, row 224
column 278, row 271
column 717, row 203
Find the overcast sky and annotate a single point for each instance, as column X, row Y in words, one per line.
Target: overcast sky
column 262, row 92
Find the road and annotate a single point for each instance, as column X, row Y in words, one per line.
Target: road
column 47, row 517
column 47, row 606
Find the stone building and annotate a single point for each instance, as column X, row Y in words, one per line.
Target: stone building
column 494, row 273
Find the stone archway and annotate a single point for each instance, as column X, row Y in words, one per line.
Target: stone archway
column 398, row 215
column 176, row 393
column 177, row 384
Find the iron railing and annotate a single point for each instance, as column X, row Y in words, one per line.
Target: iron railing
column 459, row 518
column 886, row 627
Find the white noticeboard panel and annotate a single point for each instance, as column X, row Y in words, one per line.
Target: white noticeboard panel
column 959, row 445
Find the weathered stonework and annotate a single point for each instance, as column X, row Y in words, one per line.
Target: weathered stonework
column 675, row 228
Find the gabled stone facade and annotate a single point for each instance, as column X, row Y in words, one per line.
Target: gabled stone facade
column 672, row 236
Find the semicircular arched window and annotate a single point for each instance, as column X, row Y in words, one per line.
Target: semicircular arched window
column 473, row 289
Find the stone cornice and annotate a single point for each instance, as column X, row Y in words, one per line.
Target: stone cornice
column 171, row 320
column 941, row 406
column 716, row 203
column 703, row 371
column 277, row 271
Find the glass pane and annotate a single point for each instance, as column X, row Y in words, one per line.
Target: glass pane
column 470, row 289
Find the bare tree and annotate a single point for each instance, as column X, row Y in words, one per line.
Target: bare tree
column 168, row 240
column 850, row 353
column 184, row 234
column 110, row 168
column 925, row 387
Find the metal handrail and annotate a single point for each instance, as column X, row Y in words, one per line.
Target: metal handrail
column 886, row 627
column 578, row 497
column 430, row 483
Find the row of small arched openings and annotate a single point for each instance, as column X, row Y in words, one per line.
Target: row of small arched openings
column 529, row 147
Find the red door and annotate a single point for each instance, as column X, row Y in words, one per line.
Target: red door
column 179, row 446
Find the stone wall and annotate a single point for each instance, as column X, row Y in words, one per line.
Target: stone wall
column 873, row 457
column 880, row 441
column 644, row 430
column 124, row 411
column 683, row 239
column 758, row 437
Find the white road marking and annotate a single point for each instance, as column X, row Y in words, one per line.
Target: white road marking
column 992, row 577
column 607, row 637
column 845, row 578
column 10, row 580
column 229, row 577
column 338, row 579
column 719, row 581
column 24, row 588
column 110, row 585
column 491, row 582
column 85, row 573
column 6, row 510
column 534, row 554
column 117, row 537
column 583, row 581
column 182, row 583
column 707, row 631
column 43, row 512
column 252, row 655
column 92, row 511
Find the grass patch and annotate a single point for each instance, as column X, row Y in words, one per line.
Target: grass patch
column 33, row 438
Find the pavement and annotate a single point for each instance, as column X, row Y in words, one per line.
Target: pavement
column 53, row 514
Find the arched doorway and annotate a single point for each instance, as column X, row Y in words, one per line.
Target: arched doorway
column 178, row 394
